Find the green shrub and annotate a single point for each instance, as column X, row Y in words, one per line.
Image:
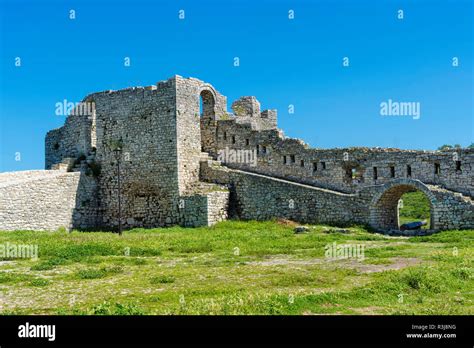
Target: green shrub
column 12, row 277
column 61, row 229
column 107, row 308
column 103, row 272
column 463, row 273
column 138, row 261
column 39, row 282
column 423, row 279
column 162, row 279
column 79, row 251
column 95, row 168
column 91, row 274
column 48, row 264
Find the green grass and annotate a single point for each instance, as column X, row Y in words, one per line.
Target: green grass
column 416, row 207
column 164, row 279
column 39, row 282
column 238, row 267
column 103, row 272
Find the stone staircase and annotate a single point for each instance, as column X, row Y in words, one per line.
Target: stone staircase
column 205, row 157
column 454, row 210
column 81, row 163
column 458, row 196
column 65, row 165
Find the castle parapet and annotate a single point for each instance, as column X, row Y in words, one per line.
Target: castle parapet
column 247, row 110
column 246, row 107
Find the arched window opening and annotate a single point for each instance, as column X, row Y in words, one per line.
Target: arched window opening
column 206, row 105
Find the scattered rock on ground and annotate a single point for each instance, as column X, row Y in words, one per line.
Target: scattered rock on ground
column 301, row 229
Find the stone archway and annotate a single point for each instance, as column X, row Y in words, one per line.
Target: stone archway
column 384, row 204
column 207, row 106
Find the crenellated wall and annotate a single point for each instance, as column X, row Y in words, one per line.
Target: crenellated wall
column 349, row 169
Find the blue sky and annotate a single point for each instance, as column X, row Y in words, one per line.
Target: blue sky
column 282, row 62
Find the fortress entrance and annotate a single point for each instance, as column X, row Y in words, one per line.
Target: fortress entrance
column 389, row 211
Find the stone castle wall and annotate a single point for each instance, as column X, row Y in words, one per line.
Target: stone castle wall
column 143, row 121
column 195, row 131
column 260, row 197
column 159, row 128
column 204, row 209
column 47, row 200
column 345, row 170
column 71, row 140
column 449, row 210
column 169, row 133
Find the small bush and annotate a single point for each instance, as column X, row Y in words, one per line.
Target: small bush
column 11, row 277
column 163, row 279
column 113, row 269
column 137, row 261
column 105, row 308
column 48, row 264
column 79, row 251
column 91, row 274
column 103, row 272
column 423, row 279
column 42, row 266
column 61, row 229
column 463, row 273
column 39, row 282
column 95, row 168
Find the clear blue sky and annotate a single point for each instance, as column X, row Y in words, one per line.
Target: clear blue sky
column 282, row 62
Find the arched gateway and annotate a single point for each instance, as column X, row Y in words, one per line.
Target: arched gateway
column 384, row 204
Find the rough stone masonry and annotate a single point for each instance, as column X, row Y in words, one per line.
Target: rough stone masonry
column 167, row 139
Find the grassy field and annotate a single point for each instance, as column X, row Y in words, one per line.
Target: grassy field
column 416, row 207
column 238, row 268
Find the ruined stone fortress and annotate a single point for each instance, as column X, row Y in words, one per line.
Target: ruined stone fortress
column 168, row 139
